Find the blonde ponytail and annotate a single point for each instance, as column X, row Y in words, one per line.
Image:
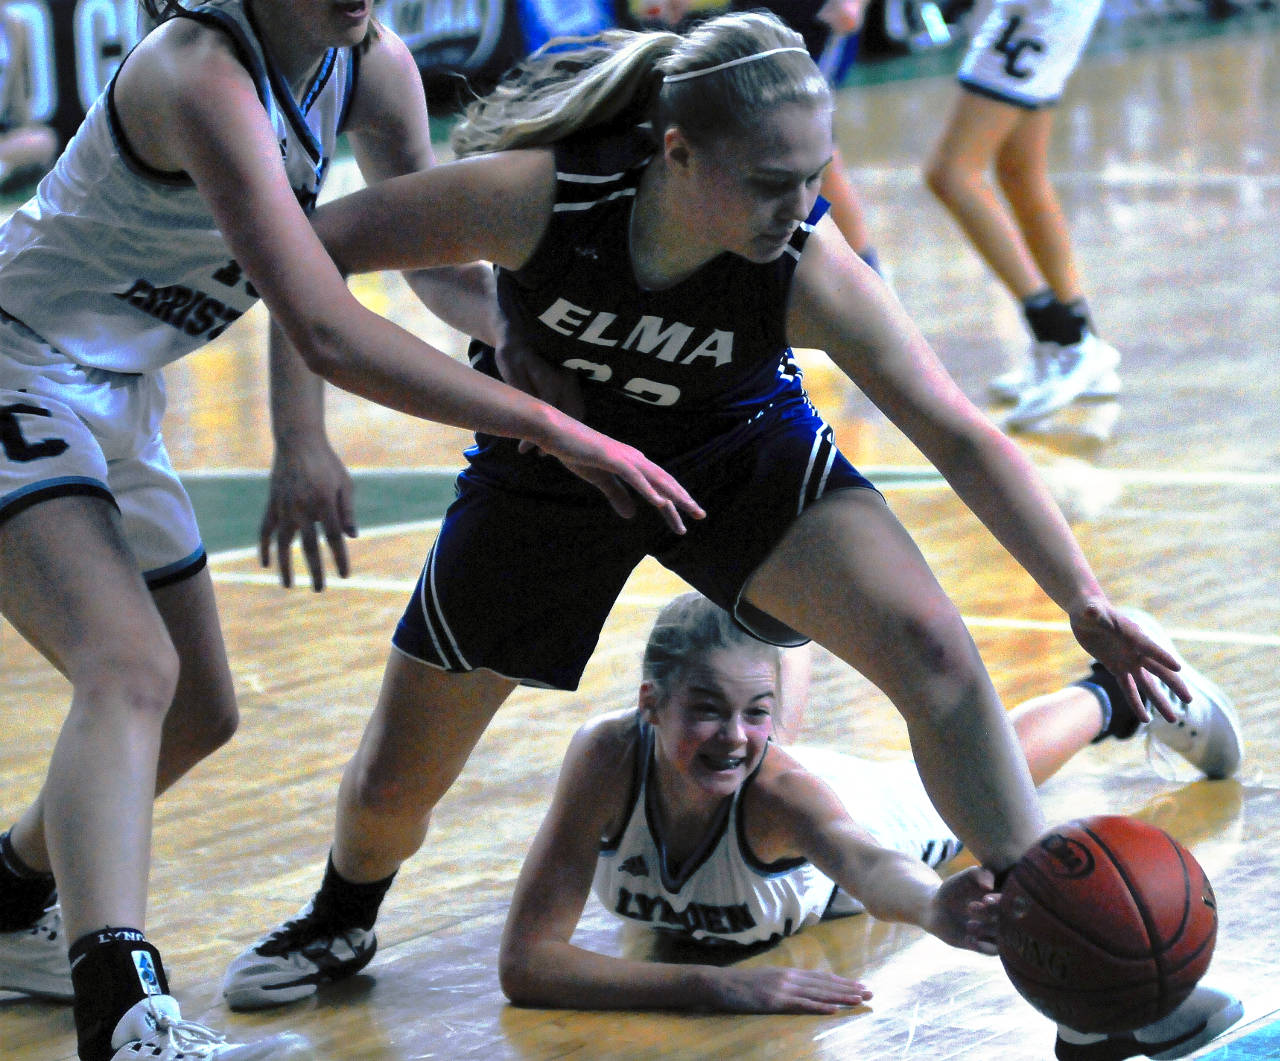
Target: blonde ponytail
column 718, row 79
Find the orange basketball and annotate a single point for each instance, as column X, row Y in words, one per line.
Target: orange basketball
column 1106, row 924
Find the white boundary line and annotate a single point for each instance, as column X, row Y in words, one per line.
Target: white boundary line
column 651, row 600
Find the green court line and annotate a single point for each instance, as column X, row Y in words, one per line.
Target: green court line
column 229, row 505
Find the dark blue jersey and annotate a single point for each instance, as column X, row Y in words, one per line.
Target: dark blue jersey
column 667, row 371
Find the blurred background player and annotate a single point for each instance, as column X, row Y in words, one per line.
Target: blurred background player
column 1014, row 70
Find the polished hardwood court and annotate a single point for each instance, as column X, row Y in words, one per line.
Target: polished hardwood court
column 1166, row 154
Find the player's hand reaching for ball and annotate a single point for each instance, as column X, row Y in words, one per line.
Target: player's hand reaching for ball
column 774, row 990
column 1130, row 654
column 963, row 912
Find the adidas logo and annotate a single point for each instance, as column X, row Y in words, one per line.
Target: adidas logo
column 635, row 865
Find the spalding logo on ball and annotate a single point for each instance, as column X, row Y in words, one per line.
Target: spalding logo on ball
column 1106, row 924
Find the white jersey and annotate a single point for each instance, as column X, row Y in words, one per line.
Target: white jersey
column 1024, row 51
column 721, row 893
column 120, row 266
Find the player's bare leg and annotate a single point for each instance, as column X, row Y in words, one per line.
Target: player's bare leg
column 957, row 173
column 98, row 625
column 203, row 715
column 425, row 725
column 1022, row 171
column 849, row 575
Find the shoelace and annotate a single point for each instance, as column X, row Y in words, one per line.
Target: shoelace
column 187, row 1035
column 300, row 931
column 1167, row 767
column 1163, row 763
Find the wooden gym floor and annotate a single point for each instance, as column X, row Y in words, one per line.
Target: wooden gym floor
column 1165, row 154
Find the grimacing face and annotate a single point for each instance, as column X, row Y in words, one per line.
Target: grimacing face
column 711, row 728
column 755, row 189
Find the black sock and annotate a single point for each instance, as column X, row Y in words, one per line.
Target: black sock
column 1052, row 321
column 1122, row 723
column 111, row 970
column 1080, row 307
column 344, row 904
column 25, row 893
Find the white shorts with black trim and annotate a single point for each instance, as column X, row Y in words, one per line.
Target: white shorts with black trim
column 1023, row 52
column 66, row 429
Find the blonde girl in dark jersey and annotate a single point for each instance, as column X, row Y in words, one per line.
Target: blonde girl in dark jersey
column 651, row 201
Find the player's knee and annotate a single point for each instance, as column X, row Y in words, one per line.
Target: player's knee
column 943, row 179
column 937, row 664
column 1014, row 170
column 140, row 683
column 391, row 794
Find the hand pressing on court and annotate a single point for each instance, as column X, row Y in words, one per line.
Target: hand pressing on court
column 963, row 911
column 774, row 990
column 1145, row 670
column 309, row 485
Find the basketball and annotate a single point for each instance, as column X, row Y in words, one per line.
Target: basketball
column 1106, row 924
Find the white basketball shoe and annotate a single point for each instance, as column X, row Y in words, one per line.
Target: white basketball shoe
column 154, row 1029
column 1056, row 375
column 33, row 960
column 1206, row 731
column 294, row 959
column 1203, row 1016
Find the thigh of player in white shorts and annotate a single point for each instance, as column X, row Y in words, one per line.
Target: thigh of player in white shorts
column 1024, row 53
column 68, row 430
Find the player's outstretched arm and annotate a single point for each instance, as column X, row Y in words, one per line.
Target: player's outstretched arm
column 538, row 964
column 840, row 306
column 800, row 815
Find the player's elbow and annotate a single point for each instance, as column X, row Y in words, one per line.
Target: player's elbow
column 324, row 346
column 517, row 976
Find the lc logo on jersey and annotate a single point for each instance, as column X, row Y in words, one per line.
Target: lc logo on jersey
column 635, row 865
column 1016, row 49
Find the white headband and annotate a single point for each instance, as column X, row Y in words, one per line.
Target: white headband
column 688, row 75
